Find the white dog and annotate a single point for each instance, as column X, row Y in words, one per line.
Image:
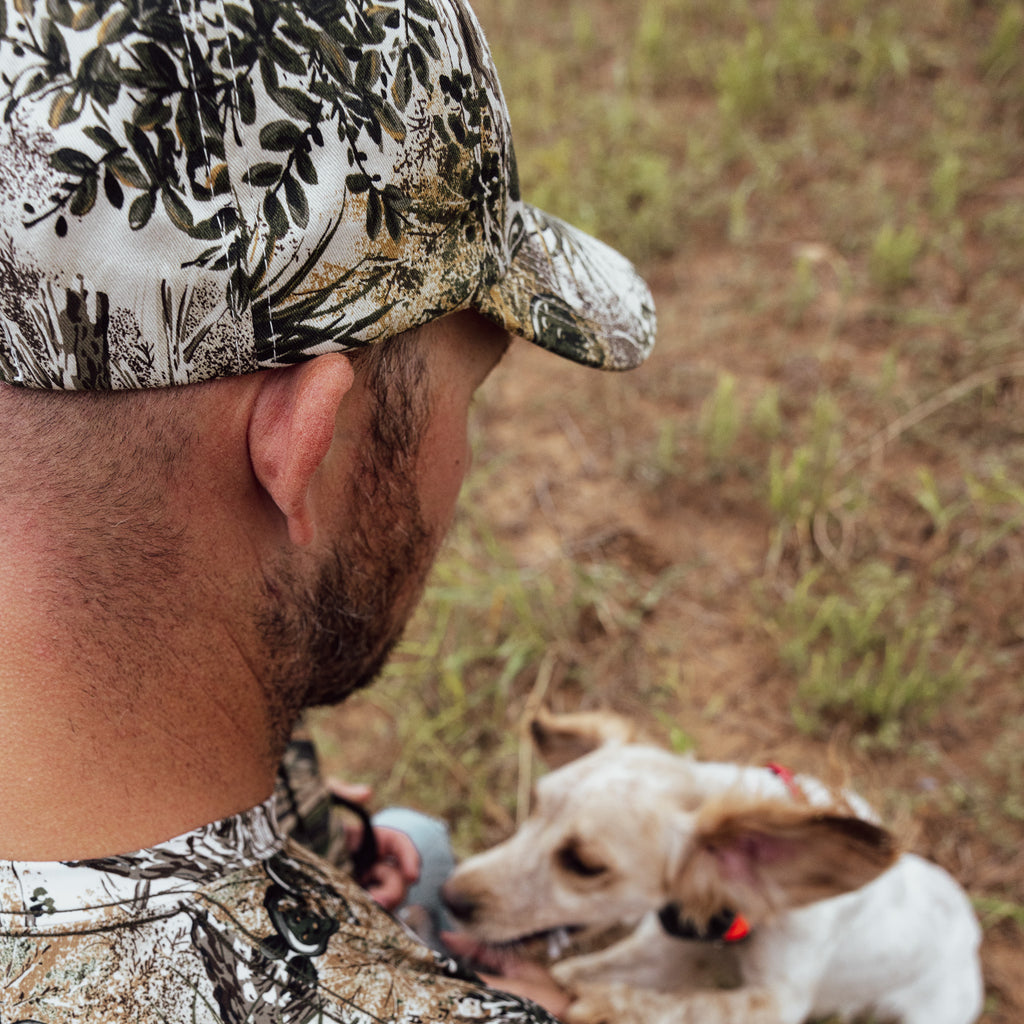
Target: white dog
column 839, row 922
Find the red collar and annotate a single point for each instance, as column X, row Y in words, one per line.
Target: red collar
column 788, row 779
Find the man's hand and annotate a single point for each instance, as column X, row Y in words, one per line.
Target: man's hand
column 397, row 868
column 398, row 861
column 510, row 973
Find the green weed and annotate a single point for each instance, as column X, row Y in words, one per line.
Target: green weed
column 747, row 78
column 877, row 649
column 639, row 201
column 894, row 254
column 805, row 51
column 1006, row 761
column 942, row 513
column 863, row 652
column 666, row 463
column 766, row 416
column 879, row 51
column 720, row 421
column 1004, row 56
column 655, row 47
column 994, row 911
column 803, row 290
column 739, row 219
column 946, row 184
column 802, row 484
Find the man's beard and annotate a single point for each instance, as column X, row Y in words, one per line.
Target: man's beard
column 328, row 637
column 332, row 637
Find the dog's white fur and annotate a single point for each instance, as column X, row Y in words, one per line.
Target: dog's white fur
column 842, row 924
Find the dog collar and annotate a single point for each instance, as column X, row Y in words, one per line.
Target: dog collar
column 788, row 779
column 725, row 926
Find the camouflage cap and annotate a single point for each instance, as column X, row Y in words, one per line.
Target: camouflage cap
column 202, row 188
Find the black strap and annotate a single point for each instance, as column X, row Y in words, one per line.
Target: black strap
column 367, row 854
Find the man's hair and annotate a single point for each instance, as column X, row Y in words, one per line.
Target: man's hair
column 92, row 471
column 96, row 450
column 394, row 373
column 88, row 469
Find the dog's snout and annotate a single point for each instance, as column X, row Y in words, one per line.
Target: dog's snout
column 460, row 904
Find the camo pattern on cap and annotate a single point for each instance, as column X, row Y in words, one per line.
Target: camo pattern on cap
column 200, row 188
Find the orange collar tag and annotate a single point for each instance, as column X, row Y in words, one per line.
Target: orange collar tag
column 739, row 929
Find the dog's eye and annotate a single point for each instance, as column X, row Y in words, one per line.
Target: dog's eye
column 576, row 863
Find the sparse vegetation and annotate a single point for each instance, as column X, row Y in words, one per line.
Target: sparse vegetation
column 799, row 531
column 865, row 655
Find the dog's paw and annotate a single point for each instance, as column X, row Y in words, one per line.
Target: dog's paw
column 567, row 973
column 583, row 969
column 601, row 1004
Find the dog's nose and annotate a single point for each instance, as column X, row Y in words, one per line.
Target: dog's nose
column 460, row 905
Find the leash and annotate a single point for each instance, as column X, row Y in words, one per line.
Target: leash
column 367, row 854
column 726, row 925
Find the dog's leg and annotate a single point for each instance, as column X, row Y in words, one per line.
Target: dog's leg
column 617, row 1003
column 630, row 959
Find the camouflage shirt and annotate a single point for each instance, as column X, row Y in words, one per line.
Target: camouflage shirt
column 231, row 922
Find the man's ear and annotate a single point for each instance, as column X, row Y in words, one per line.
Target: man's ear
column 764, row 857
column 290, row 432
column 560, row 739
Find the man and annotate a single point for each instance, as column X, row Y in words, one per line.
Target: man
column 255, row 258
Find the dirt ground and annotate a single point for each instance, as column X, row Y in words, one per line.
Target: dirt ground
column 731, row 695
column 565, row 489
column 602, row 470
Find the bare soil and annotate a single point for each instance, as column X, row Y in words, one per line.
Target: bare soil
column 705, row 662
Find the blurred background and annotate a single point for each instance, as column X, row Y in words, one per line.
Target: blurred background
column 797, row 533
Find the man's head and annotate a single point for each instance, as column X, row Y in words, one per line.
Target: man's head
column 316, row 496
column 330, row 632
column 210, row 561
column 308, row 213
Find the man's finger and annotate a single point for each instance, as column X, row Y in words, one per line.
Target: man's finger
column 397, row 847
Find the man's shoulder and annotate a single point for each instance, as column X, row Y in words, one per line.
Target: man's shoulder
column 288, row 939
column 319, row 942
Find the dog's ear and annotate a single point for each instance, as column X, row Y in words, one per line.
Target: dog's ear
column 761, row 858
column 561, row 738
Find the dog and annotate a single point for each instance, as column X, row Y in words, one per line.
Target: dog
column 733, row 876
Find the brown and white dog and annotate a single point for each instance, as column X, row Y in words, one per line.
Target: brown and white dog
column 840, row 922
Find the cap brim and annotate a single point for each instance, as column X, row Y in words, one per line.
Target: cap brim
column 573, row 295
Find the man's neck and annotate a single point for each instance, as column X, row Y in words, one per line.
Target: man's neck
column 94, row 763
